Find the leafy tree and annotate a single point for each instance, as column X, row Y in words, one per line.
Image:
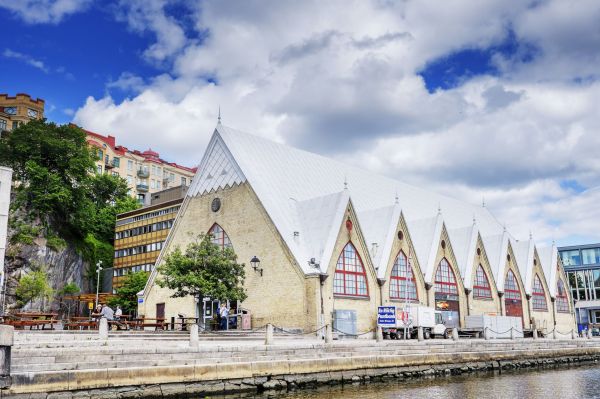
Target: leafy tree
column 203, row 270
column 33, row 286
column 127, row 293
column 60, row 189
column 67, row 290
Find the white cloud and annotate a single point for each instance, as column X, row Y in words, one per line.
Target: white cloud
column 341, row 78
column 44, row 11
column 29, row 60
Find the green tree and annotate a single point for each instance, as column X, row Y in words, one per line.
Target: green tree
column 58, row 187
column 68, row 290
column 33, row 286
column 126, row 295
column 203, row 270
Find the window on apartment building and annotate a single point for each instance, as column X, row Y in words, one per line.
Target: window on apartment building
column 15, row 124
column 538, row 298
column 183, row 181
column 153, row 169
column 152, row 185
column 399, row 282
column 129, row 179
column 3, row 125
column 115, row 173
column 481, row 288
column 129, row 164
column 350, row 276
column 116, row 162
column 158, row 184
column 172, row 177
column 158, row 170
column 99, row 169
column 100, row 154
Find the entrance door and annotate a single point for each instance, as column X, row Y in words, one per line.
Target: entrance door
column 210, row 310
column 160, row 310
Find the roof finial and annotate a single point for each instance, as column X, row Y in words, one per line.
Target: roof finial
column 345, row 183
column 474, row 220
column 504, row 227
column 483, row 202
column 219, row 118
column 396, row 198
column 530, row 235
column 439, row 208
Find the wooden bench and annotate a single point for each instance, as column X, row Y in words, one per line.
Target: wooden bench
column 141, row 324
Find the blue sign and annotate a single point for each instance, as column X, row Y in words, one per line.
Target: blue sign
column 140, row 300
column 386, row 316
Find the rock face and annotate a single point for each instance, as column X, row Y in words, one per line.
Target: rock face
column 62, row 266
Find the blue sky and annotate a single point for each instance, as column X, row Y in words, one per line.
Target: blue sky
column 494, row 100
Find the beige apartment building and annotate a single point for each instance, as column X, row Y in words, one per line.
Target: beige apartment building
column 19, row 109
column 145, row 171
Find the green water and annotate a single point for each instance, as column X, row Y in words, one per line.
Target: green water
column 579, row 382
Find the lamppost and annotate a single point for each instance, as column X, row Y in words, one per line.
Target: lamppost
column 98, row 270
column 255, row 262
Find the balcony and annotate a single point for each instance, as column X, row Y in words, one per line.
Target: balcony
column 143, row 173
column 142, row 187
column 108, row 164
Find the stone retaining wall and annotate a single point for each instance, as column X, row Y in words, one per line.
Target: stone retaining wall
column 195, row 380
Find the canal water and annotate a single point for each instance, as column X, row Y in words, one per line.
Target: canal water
column 564, row 383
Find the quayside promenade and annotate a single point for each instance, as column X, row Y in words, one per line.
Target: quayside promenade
column 149, row 364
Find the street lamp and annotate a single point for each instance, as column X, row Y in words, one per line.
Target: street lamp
column 98, row 270
column 255, row 262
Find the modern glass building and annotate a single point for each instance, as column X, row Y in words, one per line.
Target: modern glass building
column 582, row 265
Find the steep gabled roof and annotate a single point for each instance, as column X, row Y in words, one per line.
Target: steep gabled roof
column 549, row 261
column 524, row 254
column 464, row 243
column 426, row 235
column 496, row 247
column 284, row 178
column 379, row 228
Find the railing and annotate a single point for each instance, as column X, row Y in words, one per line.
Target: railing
column 143, row 173
column 142, row 187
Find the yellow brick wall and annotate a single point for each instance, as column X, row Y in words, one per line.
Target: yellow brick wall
column 510, row 265
column 483, row 306
column 543, row 319
column 405, row 245
column 280, row 295
column 366, row 309
column 448, row 253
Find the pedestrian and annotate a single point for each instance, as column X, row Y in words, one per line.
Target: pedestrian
column 223, row 312
column 107, row 312
column 118, row 313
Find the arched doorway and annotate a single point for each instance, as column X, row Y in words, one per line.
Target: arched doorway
column 512, row 296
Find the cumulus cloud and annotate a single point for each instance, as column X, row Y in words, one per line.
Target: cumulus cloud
column 44, row 11
column 342, row 79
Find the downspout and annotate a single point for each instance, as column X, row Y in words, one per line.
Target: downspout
column 467, row 293
column 322, row 278
column 428, row 288
column 381, row 282
column 502, row 304
column 553, row 300
column 528, row 298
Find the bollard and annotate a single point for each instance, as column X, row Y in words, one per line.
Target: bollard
column 554, row 334
column 328, row 334
column 486, row 334
column 7, row 334
column 512, row 334
column 573, row 335
column 455, row 334
column 103, row 328
column 269, row 335
column 535, row 334
column 379, row 334
column 193, row 335
column 420, row 335
column 589, row 333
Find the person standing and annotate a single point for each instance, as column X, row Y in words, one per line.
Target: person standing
column 224, row 313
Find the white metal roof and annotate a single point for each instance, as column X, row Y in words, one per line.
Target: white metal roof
column 549, row 261
column 464, row 242
column 524, row 252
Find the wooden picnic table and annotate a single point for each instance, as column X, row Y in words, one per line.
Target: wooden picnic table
column 32, row 319
column 183, row 322
column 143, row 322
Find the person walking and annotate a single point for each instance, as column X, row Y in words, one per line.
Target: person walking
column 224, row 313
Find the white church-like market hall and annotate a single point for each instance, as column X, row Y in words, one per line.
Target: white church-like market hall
column 320, row 238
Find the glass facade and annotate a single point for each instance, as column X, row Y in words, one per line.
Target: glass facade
column 511, row 287
column 539, row 296
column 219, row 237
column 590, row 256
column 445, row 281
column 570, row 258
column 585, row 284
column 398, row 281
column 481, row 288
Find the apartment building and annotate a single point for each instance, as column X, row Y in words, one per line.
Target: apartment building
column 140, row 234
column 15, row 110
column 145, row 171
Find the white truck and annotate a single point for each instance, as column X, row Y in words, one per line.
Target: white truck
column 395, row 321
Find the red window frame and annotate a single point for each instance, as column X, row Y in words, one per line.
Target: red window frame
column 482, row 288
column 398, row 278
column 445, row 279
column 562, row 300
column 511, row 287
column 350, row 266
column 538, row 298
column 219, row 236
